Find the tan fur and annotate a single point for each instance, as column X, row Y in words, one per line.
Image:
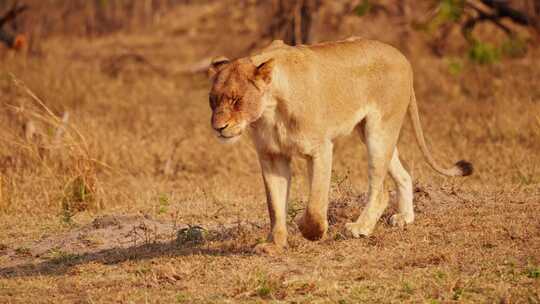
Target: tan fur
column 298, row 100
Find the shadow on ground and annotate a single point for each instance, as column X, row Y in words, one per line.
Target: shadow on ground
column 114, row 239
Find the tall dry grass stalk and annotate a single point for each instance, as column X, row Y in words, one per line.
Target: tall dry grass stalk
column 59, row 150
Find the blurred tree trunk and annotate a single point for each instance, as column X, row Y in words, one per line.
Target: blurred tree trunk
column 534, row 9
column 292, row 20
column 404, row 12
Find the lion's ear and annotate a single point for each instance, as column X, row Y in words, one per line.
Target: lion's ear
column 264, row 71
column 216, row 65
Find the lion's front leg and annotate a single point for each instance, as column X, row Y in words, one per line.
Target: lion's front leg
column 314, row 223
column 277, row 179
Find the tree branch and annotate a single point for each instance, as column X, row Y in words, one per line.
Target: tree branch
column 469, row 25
column 502, row 9
column 12, row 13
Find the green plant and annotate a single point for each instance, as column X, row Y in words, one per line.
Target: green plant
column 78, row 196
column 447, row 11
column 260, row 240
column 25, row 251
column 440, row 274
column 484, row 53
column 59, row 256
column 451, row 10
column 526, row 176
column 192, row 234
column 266, row 287
column 455, row 66
column 407, row 288
column 66, row 215
column 164, row 202
column 339, row 236
column 533, row 273
column 143, row 270
column 181, row 298
column 293, row 208
column 458, row 292
column 363, row 8
column 264, row 291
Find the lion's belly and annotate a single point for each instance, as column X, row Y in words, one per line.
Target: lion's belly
column 281, row 136
column 346, row 123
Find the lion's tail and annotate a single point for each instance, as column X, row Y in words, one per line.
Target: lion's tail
column 461, row 168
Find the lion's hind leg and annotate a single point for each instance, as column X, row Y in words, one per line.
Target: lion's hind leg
column 380, row 138
column 403, row 182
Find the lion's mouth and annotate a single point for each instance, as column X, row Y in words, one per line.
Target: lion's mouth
column 228, row 138
column 230, row 133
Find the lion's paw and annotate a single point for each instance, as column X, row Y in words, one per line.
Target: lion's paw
column 358, row 230
column 312, row 229
column 268, row 249
column 400, row 220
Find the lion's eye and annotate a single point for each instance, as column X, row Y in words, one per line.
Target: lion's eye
column 234, row 101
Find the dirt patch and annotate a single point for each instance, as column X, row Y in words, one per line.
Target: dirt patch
column 104, row 232
column 121, row 232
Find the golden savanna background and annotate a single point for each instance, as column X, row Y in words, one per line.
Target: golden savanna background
column 114, row 189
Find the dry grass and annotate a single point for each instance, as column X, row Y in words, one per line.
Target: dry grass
column 137, row 145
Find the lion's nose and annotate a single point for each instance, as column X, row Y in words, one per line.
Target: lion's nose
column 219, row 129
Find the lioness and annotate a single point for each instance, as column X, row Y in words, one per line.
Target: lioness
column 297, row 100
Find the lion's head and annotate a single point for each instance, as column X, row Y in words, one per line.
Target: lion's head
column 237, row 94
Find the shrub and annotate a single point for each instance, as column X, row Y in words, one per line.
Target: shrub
column 484, row 53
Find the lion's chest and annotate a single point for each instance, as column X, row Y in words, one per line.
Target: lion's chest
column 279, row 136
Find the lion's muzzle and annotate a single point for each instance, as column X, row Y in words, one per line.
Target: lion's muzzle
column 226, row 128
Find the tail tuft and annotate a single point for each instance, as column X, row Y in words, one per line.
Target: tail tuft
column 465, row 167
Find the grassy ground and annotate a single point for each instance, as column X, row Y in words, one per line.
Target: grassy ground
column 105, row 208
